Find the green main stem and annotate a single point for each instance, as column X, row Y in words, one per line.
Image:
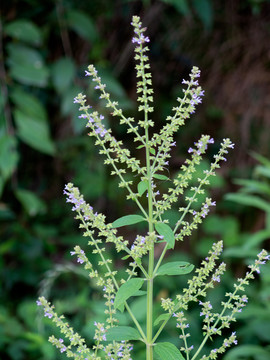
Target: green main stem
column 149, row 320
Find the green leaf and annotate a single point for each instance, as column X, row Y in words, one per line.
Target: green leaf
column 27, row 65
column 249, row 200
column 121, row 333
column 175, row 268
column 63, row 72
column 8, row 155
column 24, row 30
column 127, row 220
column 127, row 290
column 160, row 177
column 246, row 351
column 167, row 351
column 204, row 10
column 142, row 187
column 160, row 318
column 32, row 204
column 263, row 160
column 34, row 132
column 262, row 171
column 256, row 239
column 82, row 24
column 29, row 104
column 140, row 293
column 253, row 186
column 152, row 151
column 139, row 307
column 167, row 233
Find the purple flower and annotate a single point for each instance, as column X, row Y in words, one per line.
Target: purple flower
column 216, row 278
column 80, row 260
column 48, row 314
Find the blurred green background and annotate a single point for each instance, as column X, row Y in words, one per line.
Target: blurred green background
column 45, row 48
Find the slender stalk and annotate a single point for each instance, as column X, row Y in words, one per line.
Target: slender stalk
column 149, row 320
column 160, row 259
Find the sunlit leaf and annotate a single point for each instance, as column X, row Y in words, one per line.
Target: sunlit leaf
column 160, row 318
column 127, row 220
column 142, row 187
column 121, row 333
column 175, row 268
column 167, row 351
column 127, row 290
column 167, row 233
column 160, row 177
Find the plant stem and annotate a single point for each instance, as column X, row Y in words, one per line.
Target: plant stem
column 149, row 320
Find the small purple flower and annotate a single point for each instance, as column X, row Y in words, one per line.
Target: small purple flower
column 48, row 314
column 80, row 260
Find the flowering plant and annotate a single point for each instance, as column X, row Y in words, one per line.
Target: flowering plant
column 111, row 339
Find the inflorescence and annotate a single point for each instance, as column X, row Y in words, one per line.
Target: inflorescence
column 157, row 148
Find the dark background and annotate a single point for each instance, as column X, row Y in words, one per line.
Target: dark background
column 45, row 48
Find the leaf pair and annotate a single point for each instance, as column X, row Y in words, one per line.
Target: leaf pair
column 162, row 229
column 164, row 350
